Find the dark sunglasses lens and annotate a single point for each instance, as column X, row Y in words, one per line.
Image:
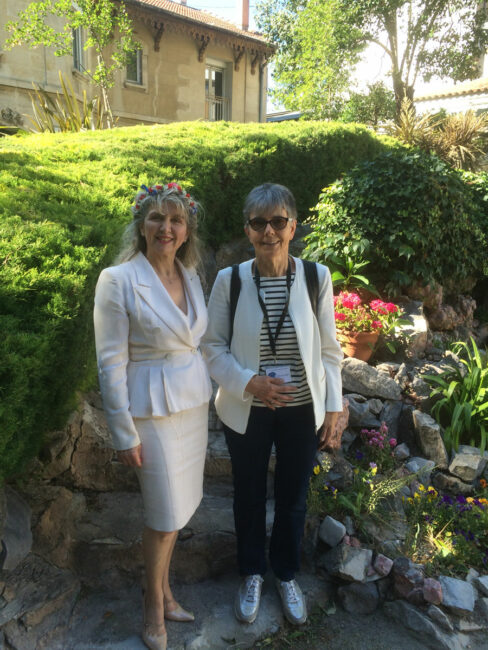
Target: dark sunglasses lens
column 277, row 223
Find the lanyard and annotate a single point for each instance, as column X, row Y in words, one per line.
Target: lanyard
column 273, row 339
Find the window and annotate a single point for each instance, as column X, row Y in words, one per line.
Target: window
column 134, row 68
column 78, row 49
column 216, row 102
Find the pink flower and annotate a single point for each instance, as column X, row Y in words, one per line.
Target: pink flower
column 336, row 298
column 339, row 316
column 378, row 306
column 393, row 442
column 376, row 324
column 391, row 307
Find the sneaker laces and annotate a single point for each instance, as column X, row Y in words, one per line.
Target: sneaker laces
column 252, row 590
column 291, row 592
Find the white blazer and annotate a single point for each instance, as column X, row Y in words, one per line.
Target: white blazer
column 149, row 364
column 232, row 370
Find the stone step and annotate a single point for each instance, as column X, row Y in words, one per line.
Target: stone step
column 36, row 603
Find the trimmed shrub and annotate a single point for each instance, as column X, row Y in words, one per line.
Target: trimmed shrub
column 64, row 200
column 412, row 216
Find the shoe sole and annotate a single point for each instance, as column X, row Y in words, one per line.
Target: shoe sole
column 243, row 619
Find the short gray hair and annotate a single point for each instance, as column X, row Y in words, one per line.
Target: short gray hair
column 267, row 196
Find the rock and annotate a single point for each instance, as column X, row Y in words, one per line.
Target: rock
column 359, row 412
column 430, row 295
column 93, row 462
column 416, row 596
column 406, row 431
column 58, row 511
column 406, row 576
column 217, row 461
column 449, row 483
column 390, row 415
column 359, row 377
column 418, row 330
column 341, row 472
column 472, row 575
column 440, row 618
column 401, row 452
column 401, row 377
column 432, row 591
column 359, row 598
column 348, row 437
column 420, row 387
column 444, row 318
column 389, row 368
column 347, row 562
column 429, row 438
column 422, row 467
column 481, row 609
column 458, row 596
column 17, row 536
column 331, row 531
column 37, row 602
column 467, row 463
column 349, row 524
column 391, row 528
column 422, row 627
column 482, row 584
column 59, row 445
column 466, row 625
column 382, row 564
column 375, row 405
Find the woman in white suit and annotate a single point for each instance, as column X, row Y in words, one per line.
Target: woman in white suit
column 149, row 318
column 279, row 383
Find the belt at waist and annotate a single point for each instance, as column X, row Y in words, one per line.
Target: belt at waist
column 166, row 357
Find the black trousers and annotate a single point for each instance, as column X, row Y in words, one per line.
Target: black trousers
column 292, row 430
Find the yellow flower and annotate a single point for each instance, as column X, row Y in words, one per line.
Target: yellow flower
column 483, row 501
column 325, row 487
column 316, row 470
column 421, row 488
column 417, row 495
column 410, row 500
column 469, row 499
column 374, row 470
column 356, row 471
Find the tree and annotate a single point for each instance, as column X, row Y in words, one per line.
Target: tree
column 425, row 38
column 373, row 107
column 105, row 23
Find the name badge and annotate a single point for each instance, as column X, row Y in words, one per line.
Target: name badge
column 279, row 372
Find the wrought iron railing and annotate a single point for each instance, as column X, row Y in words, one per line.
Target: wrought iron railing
column 216, row 108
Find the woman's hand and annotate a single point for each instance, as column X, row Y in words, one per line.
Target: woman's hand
column 270, row 390
column 327, row 437
column 131, row 457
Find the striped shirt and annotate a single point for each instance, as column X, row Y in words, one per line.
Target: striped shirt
column 274, row 292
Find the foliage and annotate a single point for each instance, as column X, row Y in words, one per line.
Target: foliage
column 345, row 270
column 63, row 113
column 413, row 217
column 373, row 108
column 107, row 26
column 448, row 534
column 458, row 139
column 64, row 201
column 463, row 391
column 321, row 41
column 378, row 448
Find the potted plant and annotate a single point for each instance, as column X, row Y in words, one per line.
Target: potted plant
column 359, row 324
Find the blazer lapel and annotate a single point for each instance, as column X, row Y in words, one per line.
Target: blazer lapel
column 195, row 294
column 152, row 291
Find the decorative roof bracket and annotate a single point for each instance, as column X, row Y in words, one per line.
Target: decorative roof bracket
column 204, row 40
column 238, row 54
column 254, row 62
column 157, row 37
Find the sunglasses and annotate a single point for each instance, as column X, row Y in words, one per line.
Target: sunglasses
column 277, row 223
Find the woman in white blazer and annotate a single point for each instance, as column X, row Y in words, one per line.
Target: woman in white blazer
column 279, row 383
column 149, row 318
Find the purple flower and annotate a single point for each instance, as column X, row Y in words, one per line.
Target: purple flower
column 460, row 498
column 447, row 499
column 359, row 455
column 373, row 465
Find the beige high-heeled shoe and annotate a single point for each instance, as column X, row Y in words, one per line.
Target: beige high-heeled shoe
column 153, row 641
column 178, row 614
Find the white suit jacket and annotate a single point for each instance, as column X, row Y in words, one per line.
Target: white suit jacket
column 232, row 370
column 149, row 364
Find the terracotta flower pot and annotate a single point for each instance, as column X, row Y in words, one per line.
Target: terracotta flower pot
column 358, row 344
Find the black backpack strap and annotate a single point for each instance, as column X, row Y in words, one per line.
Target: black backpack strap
column 235, row 290
column 312, row 279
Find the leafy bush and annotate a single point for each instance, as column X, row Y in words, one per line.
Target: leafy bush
column 64, row 200
column 463, row 391
column 411, row 215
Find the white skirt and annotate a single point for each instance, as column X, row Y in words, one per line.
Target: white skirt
column 173, row 459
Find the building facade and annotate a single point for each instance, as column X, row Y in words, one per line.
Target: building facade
column 191, row 66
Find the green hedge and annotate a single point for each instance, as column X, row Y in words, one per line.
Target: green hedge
column 412, row 216
column 64, row 200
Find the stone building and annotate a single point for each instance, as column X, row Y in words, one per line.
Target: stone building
column 191, row 66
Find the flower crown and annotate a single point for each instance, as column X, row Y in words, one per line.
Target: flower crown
column 154, row 190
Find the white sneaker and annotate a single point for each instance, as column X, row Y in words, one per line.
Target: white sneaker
column 248, row 597
column 294, row 606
